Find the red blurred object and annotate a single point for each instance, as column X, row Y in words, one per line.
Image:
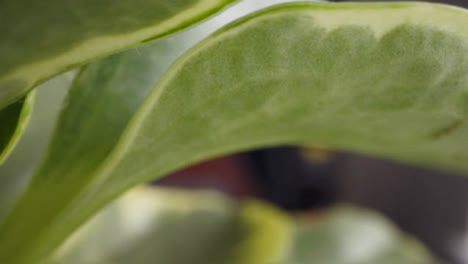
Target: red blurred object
column 231, row 175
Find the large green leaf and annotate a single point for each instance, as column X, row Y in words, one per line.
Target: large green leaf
column 13, row 121
column 40, row 39
column 100, row 103
column 179, row 227
column 384, row 79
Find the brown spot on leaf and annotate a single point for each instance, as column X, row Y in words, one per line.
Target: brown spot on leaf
column 450, row 129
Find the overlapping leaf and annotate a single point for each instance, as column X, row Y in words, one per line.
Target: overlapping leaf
column 94, row 117
column 383, row 79
column 19, row 167
column 13, row 121
column 98, row 88
column 40, row 39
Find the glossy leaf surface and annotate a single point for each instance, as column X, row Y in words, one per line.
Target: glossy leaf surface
column 382, row 79
column 13, row 121
column 178, row 227
column 41, row 39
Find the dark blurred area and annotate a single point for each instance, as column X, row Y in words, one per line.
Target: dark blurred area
column 429, row 204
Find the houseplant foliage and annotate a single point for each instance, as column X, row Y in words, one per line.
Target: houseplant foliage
column 383, row 79
column 14, row 119
column 69, row 33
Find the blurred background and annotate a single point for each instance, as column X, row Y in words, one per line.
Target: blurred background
column 431, row 205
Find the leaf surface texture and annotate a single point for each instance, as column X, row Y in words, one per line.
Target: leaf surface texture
column 383, row 79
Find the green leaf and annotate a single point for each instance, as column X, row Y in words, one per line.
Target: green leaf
column 391, row 83
column 177, row 227
column 13, row 121
column 383, row 79
column 40, row 40
column 19, row 167
column 99, row 105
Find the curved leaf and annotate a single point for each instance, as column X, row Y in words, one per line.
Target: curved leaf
column 178, row 227
column 40, row 39
column 383, row 79
column 396, row 87
column 17, row 170
column 99, row 105
column 13, row 121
